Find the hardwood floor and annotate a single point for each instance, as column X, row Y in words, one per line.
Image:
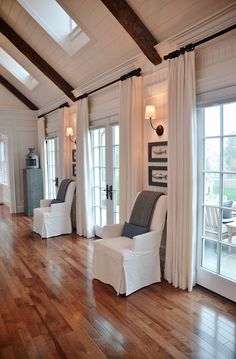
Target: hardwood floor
column 51, row 308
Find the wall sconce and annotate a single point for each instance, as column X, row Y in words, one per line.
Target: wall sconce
column 69, row 133
column 150, row 114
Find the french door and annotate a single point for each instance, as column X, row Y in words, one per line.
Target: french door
column 216, row 268
column 51, row 154
column 105, row 158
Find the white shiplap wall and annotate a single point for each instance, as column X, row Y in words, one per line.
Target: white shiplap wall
column 9, row 101
column 155, row 93
column 20, row 126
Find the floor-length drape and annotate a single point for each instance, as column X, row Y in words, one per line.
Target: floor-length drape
column 84, row 211
column 64, row 164
column 41, row 151
column 131, row 139
column 182, row 164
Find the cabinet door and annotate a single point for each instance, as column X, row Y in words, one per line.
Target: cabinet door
column 33, row 189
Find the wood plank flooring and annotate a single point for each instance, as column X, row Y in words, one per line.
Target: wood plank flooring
column 51, row 308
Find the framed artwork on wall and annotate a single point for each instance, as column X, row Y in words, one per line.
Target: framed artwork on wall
column 157, row 176
column 157, row 151
column 73, row 155
column 74, row 169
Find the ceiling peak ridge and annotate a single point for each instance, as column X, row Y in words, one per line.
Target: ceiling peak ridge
column 213, row 23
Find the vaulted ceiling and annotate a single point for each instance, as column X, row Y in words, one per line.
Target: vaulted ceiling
column 110, row 44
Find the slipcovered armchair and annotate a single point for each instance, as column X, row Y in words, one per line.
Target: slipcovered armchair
column 128, row 264
column 54, row 216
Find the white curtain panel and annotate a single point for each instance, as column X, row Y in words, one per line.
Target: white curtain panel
column 84, row 210
column 41, row 151
column 182, row 175
column 64, row 164
column 131, row 144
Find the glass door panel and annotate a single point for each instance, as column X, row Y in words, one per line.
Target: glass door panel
column 99, row 175
column 211, row 188
column 209, row 254
column 116, row 172
column 217, row 222
column 105, row 157
column 228, row 260
column 229, row 127
column 212, row 151
column 229, row 154
column 51, row 168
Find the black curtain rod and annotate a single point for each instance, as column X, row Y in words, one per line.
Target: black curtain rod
column 136, row 72
column 65, row 104
column 191, row 47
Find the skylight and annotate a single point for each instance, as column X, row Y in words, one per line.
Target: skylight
column 17, row 70
column 58, row 24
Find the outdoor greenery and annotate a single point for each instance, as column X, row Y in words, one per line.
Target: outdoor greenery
column 229, row 192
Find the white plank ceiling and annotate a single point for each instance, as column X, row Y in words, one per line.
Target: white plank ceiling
column 110, row 45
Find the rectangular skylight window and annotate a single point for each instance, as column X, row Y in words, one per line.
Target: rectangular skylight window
column 17, row 70
column 58, row 24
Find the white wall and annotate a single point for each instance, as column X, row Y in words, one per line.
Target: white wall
column 154, row 93
column 5, row 196
column 9, row 101
column 21, row 128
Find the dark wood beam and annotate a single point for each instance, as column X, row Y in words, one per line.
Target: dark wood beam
column 36, row 59
column 135, row 27
column 18, row 94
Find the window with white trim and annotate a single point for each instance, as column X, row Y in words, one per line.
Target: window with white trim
column 3, row 161
column 51, row 167
column 217, row 172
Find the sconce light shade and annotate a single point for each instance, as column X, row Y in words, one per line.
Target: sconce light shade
column 69, row 133
column 150, row 114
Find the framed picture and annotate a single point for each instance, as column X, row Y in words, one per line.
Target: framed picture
column 73, row 155
column 157, row 151
column 157, row 176
column 74, row 169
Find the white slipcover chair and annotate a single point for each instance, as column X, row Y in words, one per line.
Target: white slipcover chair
column 56, row 219
column 130, row 264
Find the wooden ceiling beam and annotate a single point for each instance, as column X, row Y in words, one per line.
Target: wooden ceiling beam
column 135, row 27
column 36, row 59
column 18, row 94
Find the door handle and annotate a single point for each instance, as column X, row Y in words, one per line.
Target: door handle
column 110, row 192
column 56, row 181
column 106, row 190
